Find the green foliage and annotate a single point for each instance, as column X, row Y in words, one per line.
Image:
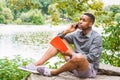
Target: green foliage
column 22, row 6
column 72, row 9
column 44, row 5
column 60, row 61
column 111, row 36
column 18, row 21
column 29, row 10
column 111, row 13
column 55, row 13
column 6, row 12
column 117, row 17
column 18, row 6
column 2, row 4
column 37, row 17
column 5, row 15
column 111, row 31
column 111, row 58
column 2, row 19
column 111, row 41
column 114, row 8
column 33, row 16
column 9, row 68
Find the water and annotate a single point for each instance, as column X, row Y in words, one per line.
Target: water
column 29, row 41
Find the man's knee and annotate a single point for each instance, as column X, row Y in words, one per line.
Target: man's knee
column 78, row 58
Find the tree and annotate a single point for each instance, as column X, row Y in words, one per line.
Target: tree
column 111, row 35
column 33, row 16
column 5, row 14
column 72, row 9
column 18, row 6
column 44, row 5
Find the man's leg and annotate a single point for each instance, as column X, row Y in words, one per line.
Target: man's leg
column 52, row 51
column 78, row 62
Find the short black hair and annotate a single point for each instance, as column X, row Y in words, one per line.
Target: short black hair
column 92, row 17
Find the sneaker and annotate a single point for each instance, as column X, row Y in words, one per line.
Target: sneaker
column 44, row 71
column 30, row 68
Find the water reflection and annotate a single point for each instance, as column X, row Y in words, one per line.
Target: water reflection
column 26, row 44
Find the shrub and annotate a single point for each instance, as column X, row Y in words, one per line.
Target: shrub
column 8, row 68
column 117, row 17
column 33, row 17
column 111, row 36
column 2, row 18
column 18, row 21
column 6, row 12
column 55, row 15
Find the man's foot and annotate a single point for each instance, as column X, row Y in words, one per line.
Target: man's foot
column 30, row 68
column 44, row 70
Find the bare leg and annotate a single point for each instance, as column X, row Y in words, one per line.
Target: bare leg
column 78, row 62
column 52, row 51
column 48, row 54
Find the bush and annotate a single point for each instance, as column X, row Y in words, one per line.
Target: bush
column 18, row 21
column 8, row 68
column 111, row 58
column 6, row 12
column 111, row 36
column 55, row 15
column 117, row 17
column 33, row 17
column 2, row 18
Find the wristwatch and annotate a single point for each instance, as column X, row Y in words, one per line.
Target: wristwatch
column 61, row 35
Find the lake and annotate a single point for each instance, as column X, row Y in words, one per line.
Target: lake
column 28, row 41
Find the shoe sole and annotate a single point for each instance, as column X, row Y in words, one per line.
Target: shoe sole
column 28, row 70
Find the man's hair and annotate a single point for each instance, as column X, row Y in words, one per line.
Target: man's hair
column 91, row 16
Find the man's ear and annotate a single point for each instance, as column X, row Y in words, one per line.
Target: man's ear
column 90, row 24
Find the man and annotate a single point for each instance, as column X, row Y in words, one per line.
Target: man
column 84, row 60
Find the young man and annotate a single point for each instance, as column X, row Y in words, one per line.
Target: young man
column 84, row 60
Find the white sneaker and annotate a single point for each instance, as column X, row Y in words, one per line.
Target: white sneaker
column 30, row 68
column 44, row 71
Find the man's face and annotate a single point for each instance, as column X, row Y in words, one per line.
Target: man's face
column 85, row 22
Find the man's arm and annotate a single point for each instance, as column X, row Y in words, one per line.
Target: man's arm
column 70, row 29
column 95, row 50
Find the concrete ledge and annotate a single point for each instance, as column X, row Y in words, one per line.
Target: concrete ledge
column 70, row 76
column 107, row 72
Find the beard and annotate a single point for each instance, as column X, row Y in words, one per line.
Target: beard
column 84, row 27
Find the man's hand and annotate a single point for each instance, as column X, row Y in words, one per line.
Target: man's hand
column 70, row 29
